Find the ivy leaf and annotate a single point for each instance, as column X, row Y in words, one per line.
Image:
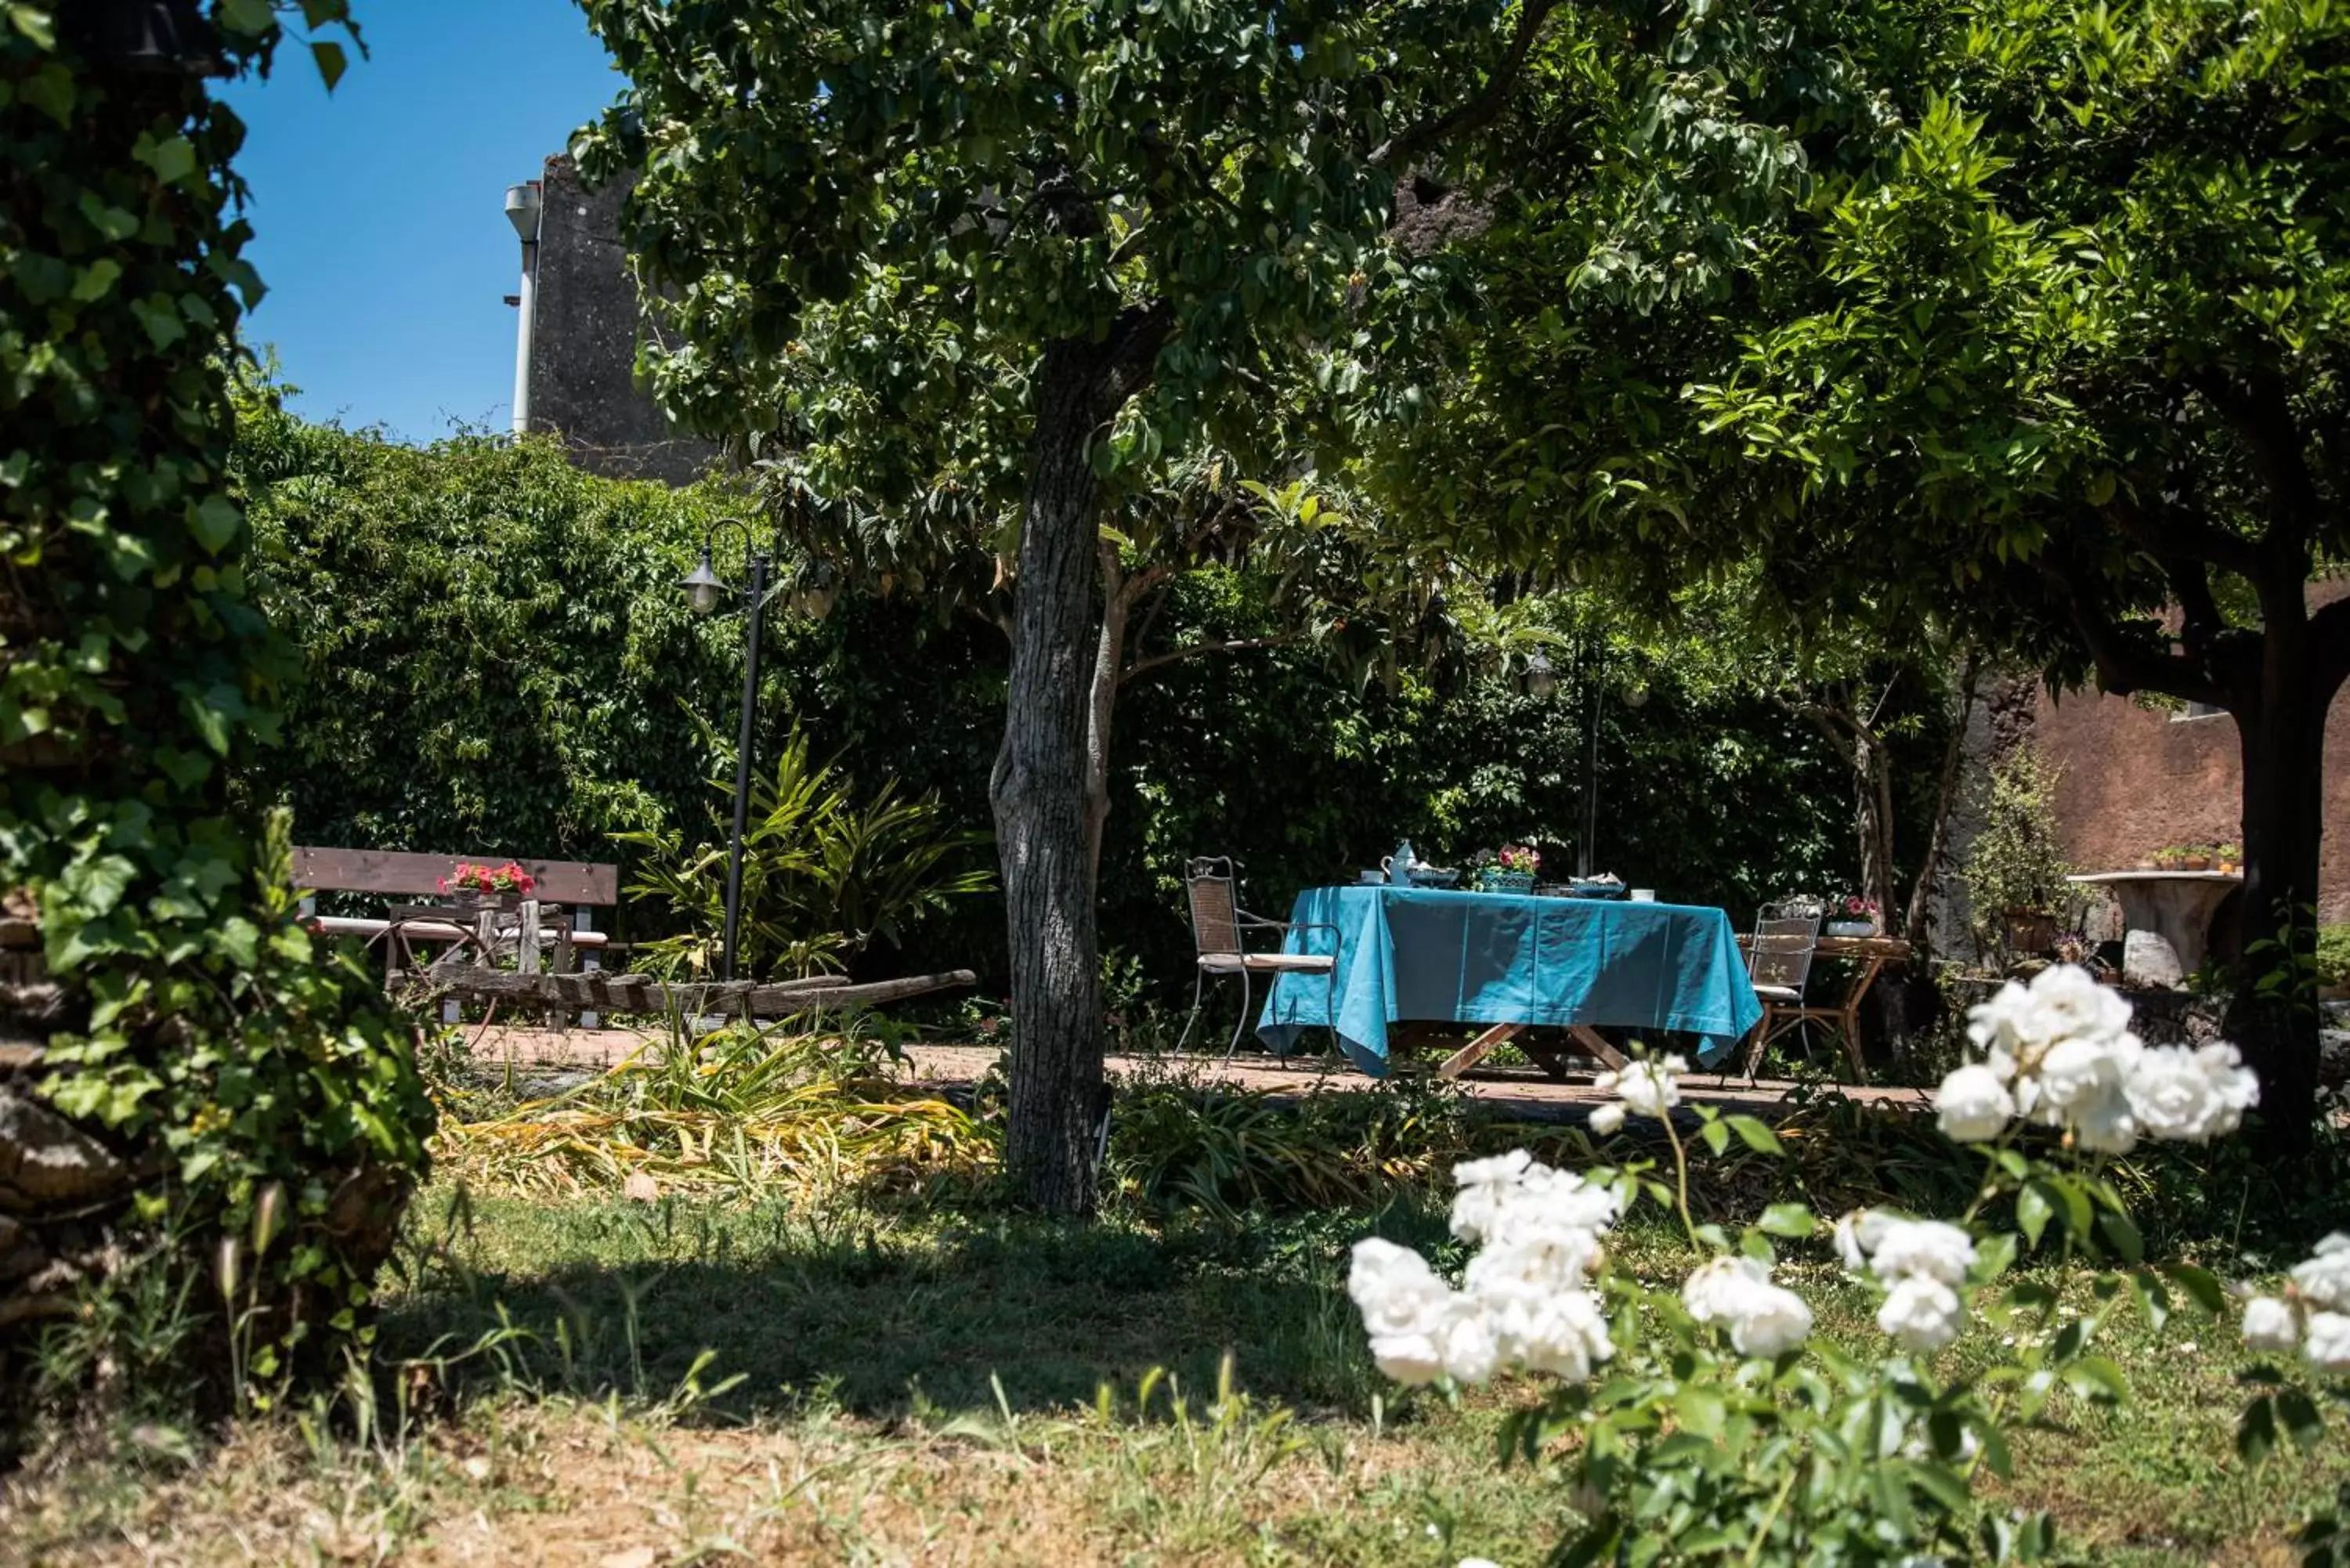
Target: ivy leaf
column 174, row 159
column 214, row 521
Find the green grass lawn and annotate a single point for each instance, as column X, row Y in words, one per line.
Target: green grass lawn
column 578, row 1380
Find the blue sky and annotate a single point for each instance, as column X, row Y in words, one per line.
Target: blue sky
column 377, row 210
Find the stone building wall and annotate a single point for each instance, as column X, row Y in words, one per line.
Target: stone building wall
column 2136, row 779
column 584, row 342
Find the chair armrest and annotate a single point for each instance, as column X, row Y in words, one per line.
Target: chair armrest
column 1247, row 922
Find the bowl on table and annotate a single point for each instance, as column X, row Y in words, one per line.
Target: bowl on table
column 1594, row 888
column 1434, row 877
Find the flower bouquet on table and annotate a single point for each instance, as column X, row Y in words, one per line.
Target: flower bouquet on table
column 1852, row 914
column 1510, row 870
column 471, row 886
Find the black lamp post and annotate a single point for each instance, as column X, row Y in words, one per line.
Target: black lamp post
column 706, row 590
column 155, row 37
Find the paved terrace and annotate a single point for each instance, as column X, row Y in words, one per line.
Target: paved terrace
column 1524, row 1094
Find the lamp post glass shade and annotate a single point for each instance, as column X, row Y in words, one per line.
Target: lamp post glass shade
column 1541, row 678
column 523, row 205
column 703, row 587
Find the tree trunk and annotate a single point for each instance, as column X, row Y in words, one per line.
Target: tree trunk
column 1914, row 927
column 1872, row 782
column 1109, row 657
column 1039, row 795
column 2283, row 739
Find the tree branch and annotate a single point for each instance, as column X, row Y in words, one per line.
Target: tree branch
column 1824, row 720
column 1238, row 645
column 2261, row 413
column 1400, row 152
column 2123, row 669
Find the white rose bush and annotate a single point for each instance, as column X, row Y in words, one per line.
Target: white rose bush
column 1707, row 1422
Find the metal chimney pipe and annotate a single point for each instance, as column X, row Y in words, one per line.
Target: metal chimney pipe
column 525, row 208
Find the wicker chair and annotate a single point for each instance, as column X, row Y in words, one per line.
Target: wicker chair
column 1218, row 926
column 1779, row 963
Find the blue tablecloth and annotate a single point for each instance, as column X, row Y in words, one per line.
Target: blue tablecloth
column 1499, row 958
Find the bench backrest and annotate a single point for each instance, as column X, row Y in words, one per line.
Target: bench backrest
column 403, row 874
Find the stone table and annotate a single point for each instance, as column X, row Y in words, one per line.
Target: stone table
column 2174, row 906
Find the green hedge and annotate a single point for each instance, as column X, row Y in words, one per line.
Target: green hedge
column 498, row 659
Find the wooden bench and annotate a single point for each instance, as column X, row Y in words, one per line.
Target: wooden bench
column 543, row 930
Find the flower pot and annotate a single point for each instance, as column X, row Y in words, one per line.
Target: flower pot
column 474, row 901
column 1851, row 927
column 1507, row 882
column 2197, row 863
column 2030, row 930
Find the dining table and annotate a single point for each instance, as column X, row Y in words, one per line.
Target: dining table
column 1509, row 962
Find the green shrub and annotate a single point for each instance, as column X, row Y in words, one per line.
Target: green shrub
column 2333, row 954
column 240, row 1074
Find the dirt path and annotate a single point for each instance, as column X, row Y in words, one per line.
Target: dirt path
column 1526, row 1093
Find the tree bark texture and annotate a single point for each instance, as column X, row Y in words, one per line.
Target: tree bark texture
column 2273, row 1017
column 1101, row 708
column 1915, row 924
column 1039, row 791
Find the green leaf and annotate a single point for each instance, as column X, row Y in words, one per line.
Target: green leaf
column 1788, row 1219
column 2256, row 1433
column 2301, row 1418
column 331, row 60
column 2122, row 1236
column 254, row 19
column 1716, row 1137
column 1698, row 1409
column 2096, row 1377
column 173, row 158
column 2201, row 1285
column 2032, row 1212
column 1754, row 1134
column 214, row 521
column 34, row 24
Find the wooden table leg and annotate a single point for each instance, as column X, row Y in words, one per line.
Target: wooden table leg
column 1477, row 1050
column 1850, row 1017
column 1594, row 1042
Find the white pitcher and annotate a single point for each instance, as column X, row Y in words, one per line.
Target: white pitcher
column 1399, row 866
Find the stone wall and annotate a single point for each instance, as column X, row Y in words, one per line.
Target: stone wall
column 583, row 343
column 2136, row 779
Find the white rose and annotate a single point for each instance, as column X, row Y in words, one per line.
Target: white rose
column 2105, row 1125
column 2190, row 1097
column 1560, row 1261
column 1922, row 1312
column 2073, row 1006
column 2328, row 1345
column 2007, row 1024
column 1466, row 1345
column 1564, row 1334
column 2325, row 1278
column 1762, row 1318
column 1857, row 1234
column 1973, row 1105
column 2079, row 1071
column 1931, row 1248
column 2270, row 1325
column 1409, row 1358
column 1485, row 1185
column 1607, row 1120
column 1647, row 1088
column 1396, row 1291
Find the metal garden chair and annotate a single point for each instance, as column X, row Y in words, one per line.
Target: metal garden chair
column 1779, row 963
column 1218, row 926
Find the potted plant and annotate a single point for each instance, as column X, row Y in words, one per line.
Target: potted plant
column 2168, row 857
column 2231, row 859
column 477, row 888
column 2196, row 857
column 1510, row 870
column 1854, row 916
